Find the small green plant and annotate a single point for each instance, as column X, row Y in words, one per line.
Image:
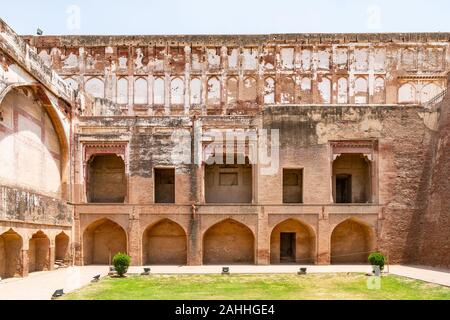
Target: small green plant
column 377, row 259
column 121, row 262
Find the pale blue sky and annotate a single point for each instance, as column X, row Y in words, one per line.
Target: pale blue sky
column 225, row 16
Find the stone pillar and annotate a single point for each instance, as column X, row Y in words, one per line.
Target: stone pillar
column 24, row 265
column 51, row 257
column 194, row 250
column 134, row 238
column 263, row 238
column 77, row 240
column 323, row 240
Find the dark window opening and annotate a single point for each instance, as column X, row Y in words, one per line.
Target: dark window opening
column 343, row 188
column 164, row 185
column 292, row 186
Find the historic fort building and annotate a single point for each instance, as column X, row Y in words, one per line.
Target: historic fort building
column 89, row 126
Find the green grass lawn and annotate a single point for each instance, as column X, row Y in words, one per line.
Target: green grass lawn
column 256, row 287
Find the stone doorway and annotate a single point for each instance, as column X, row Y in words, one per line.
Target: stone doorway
column 287, row 247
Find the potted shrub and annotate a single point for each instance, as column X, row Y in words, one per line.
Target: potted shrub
column 377, row 259
column 121, row 262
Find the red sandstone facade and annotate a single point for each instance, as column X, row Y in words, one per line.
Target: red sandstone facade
column 87, row 137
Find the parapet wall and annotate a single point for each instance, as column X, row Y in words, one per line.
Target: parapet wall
column 162, row 75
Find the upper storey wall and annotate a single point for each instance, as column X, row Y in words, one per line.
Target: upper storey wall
column 229, row 74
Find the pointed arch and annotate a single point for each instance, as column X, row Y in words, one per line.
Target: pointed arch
column 62, row 252
column 213, row 91
column 196, row 91
column 351, row 242
column 95, row 87
column 292, row 241
column 140, row 91
column 39, row 253
column 40, row 114
column 164, row 243
column 228, row 241
column 11, row 244
column 102, row 239
column 177, row 91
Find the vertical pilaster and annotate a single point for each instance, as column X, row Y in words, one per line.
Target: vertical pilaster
column 51, row 257
column 263, row 241
column 24, row 263
column 323, row 240
column 134, row 238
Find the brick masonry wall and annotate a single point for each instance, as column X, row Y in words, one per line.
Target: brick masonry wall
column 433, row 247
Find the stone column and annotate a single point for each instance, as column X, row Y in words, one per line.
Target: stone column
column 194, row 250
column 24, row 264
column 263, row 238
column 323, row 240
column 134, row 238
column 77, row 240
column 51, row 257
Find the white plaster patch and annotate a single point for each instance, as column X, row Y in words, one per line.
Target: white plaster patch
column 324, row 60
column 269, row 91
column 306, row 59
column 287, row 58
column 213, row 58
column 379, row 59
column 341, row 58
column 250, row 59
column 325, row 90
column 122, row 91
column 213, row 90
column 305, row 84
column 46, row 58
column 95, row 87
column 233, row 58
column 71, row 61
column 407, row 93
column 196, row 91
column 361, row 59
column 177, row 91
column 158, row 91
column 342, row 90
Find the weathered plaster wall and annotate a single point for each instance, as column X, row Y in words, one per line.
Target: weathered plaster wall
column 156, row 75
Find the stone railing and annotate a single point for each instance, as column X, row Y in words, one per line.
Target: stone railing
column 436, row 99
column 27, row 57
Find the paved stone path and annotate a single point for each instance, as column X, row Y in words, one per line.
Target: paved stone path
column 41, row 285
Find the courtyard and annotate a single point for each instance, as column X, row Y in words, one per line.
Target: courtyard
column 246, row 282
column 323, row 286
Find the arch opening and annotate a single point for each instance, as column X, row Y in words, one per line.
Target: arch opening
column 102, row 240
column 39, row 253
column 106, row 179
column 291, row 241
column 164, row 243
column 62, row 253
column 10, row 254
column 352, row 179
column 351, row 242
column 228, row 242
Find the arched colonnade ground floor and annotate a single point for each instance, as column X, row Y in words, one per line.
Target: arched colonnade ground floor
column 26, row 248
column 218, row 239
